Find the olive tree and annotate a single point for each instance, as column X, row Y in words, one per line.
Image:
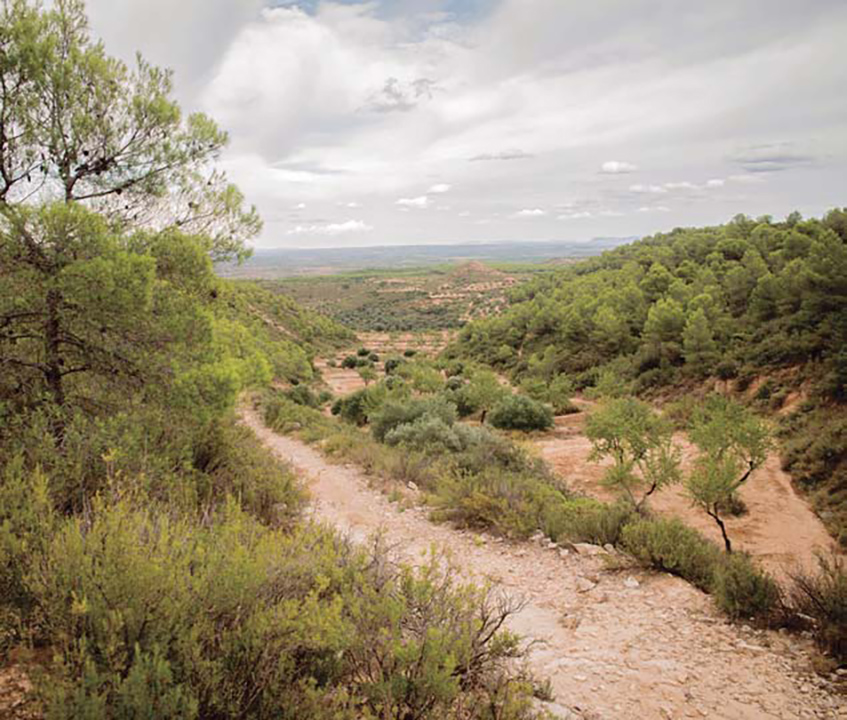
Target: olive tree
column 733, row 444
column 640, row 444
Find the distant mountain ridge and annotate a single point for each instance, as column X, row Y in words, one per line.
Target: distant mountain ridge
column 283, row 262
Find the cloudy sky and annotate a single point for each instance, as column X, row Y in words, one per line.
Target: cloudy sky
column 412, row 121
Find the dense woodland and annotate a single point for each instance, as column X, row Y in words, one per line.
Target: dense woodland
column 757, row 304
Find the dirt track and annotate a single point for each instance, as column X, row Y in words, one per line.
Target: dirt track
column 615, row 645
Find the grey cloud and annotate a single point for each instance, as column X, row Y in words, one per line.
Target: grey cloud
column 188, row 36
column 397, row 96
column 772, row 158
column 503, row 155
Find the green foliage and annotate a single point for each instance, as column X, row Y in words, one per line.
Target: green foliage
column 392, row 364
column 394, row 414
column 822, row 596
column 733, row 444
column 639, row 442
column 302, row 395
column 699, row 346
column 670, row 546
column 739, row 301
column 483, row 392
column 518, row 412
column 290, row 626
column 27, row 519
column 743, row 591
column 815, row 453
column 230, row 462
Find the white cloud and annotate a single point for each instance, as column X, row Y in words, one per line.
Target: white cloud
column 654, row 209
column 685, row 185
column 576, row 215
column 746, row 179
column 530, row 213
column 352, row 205
column 439, row 189
column 715, row 183
column 464, row 214
column 648, row 189
column 616, row 167
column 350, row 226
column 415, row 202
column 300, row 206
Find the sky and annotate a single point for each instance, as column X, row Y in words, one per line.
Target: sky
column 406, row 122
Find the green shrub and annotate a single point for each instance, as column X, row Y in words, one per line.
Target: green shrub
column 670, row 546
column 517, row 412
column 741, row 590
column 823, row 597
column 508, row 503
column 353, row 408
column 727, row 370
column 373, row 357
column 392, row 364
column 427, row 433
column 233, row 463
column 27, row 519
column 302, row 395
column 285, row 416
column 454, row 383
column 154, row 616
column 363, row 352
column 594, row 522
column 409, row 353
column 350, row 362
column 393, row 414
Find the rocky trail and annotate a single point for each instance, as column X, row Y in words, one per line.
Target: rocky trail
column 615, row 643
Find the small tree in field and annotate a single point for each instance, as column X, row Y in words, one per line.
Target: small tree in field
column 368, row 374
column 484, row 392
column 639, row 442
column 733, row 444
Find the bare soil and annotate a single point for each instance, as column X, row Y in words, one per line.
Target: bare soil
column 614, row 643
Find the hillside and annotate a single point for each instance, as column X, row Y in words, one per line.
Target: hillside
column 756, row 304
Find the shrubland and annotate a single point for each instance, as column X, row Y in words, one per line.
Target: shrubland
column 153, row 560
column 475, row 477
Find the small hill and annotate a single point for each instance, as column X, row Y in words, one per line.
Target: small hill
column 475, row 271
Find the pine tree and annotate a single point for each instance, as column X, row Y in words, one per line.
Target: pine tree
column 698, row 344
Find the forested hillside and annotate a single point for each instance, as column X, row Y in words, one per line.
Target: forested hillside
column 757, row 303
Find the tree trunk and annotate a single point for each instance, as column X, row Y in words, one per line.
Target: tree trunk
column 722, row 526
column 482, row 417
column 53, row 361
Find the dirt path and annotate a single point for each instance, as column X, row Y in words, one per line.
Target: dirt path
column 615, row 645
column 779, row 528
